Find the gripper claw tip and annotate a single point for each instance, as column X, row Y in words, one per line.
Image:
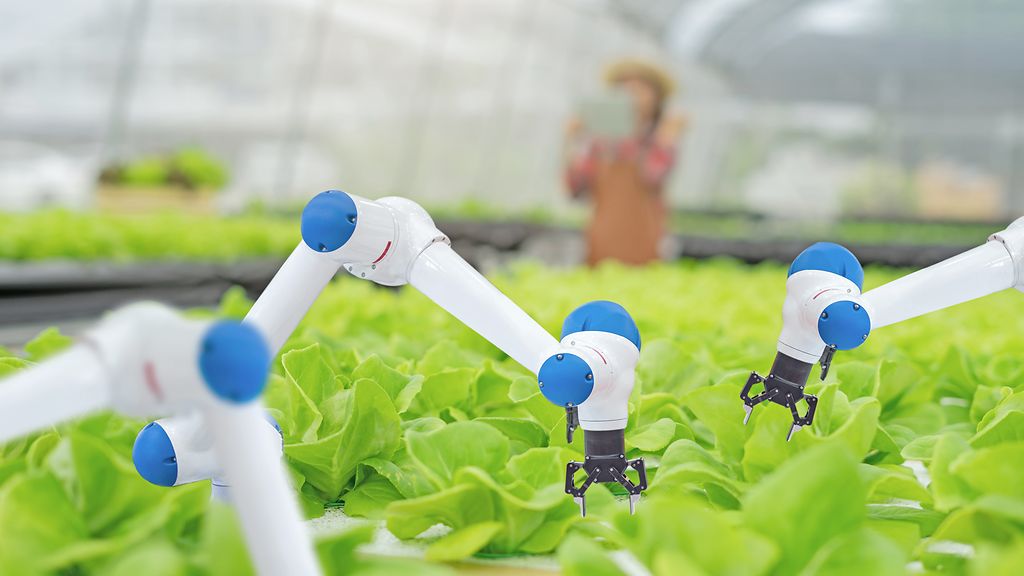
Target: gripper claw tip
column 746, row 417
column 793, row 429
column 581, row 501
column 633, row 499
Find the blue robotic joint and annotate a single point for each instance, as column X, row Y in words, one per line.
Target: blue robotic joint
column 591, row 376
column 823, row 312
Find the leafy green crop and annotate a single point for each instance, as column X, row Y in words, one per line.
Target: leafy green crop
column 395, row 412
column 191, row 168
column 168, row 236
column 177, row 236
column 859, row 231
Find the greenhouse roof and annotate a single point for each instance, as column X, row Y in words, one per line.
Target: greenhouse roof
column 939, row 54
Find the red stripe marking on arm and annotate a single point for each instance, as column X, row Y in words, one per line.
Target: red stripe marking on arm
column 151, row 382
column 383, row 254
column 603, row 359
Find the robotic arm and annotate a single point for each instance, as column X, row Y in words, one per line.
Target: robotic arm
column 129, row 362
column 591, row 375
column 179, row 450
column 393, row 241
column 824, row 310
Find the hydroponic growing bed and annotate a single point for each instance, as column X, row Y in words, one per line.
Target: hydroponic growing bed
column 395, row 413
column 196, row 237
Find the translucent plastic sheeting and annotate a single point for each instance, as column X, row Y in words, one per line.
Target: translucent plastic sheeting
column 436, row 99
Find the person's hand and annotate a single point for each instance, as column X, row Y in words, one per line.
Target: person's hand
column 671, row 129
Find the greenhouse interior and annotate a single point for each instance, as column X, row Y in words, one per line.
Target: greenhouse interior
column 497, row 287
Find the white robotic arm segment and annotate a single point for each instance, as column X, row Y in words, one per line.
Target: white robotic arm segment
column 159, row 463
column 414, row 232
column 421, row 256
column 392, row 241
column 809, row 293
column 277, row 537
column 613, row 360
column 179, row 450
column 825, row 321
column 290, row 294
column 1013, row 239
column 72, row 383
column 123, row 363
column 348, row 228
column 992, row 267
column 338, row 229
column 823, row 312
column 377, row 240
column 145, row 359
column 591, row 375
column 444, row 277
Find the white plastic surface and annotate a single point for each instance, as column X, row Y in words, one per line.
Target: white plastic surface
column 276, row 535
column 143, row 360
column 194, row 450
column 220, row 491
column 414, row 232
column 1013, row 239
column 193, row 447
column 808, row 293
column 150, row 352
column 612, row 359
column 63, row 387
column 375, row 235
column 140, row 360
column 448, row 280
column 973, row 274
column 290, row 294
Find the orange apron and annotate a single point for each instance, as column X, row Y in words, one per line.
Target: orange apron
column 629, row 215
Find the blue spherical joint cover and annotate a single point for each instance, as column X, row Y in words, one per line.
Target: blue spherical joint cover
column 602, row 316
column 154, row 456
column 329, row 220
column 234, row 361
column 566, row 379
column 830, row 257
column 844, row 324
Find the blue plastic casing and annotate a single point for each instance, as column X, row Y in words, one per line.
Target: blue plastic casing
column 602, row 316
column 844, row 324
column 154, row 457
column 328, row 221
column 234, row 361
column 830, row 258
column 566, row 379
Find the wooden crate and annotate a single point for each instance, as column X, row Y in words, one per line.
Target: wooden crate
column 143, row 199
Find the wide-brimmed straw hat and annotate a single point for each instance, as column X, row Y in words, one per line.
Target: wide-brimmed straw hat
column 643, row 70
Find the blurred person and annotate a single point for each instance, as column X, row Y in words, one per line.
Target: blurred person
column 619, row 156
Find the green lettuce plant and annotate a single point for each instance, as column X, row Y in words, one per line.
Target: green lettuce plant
column 395, row 413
